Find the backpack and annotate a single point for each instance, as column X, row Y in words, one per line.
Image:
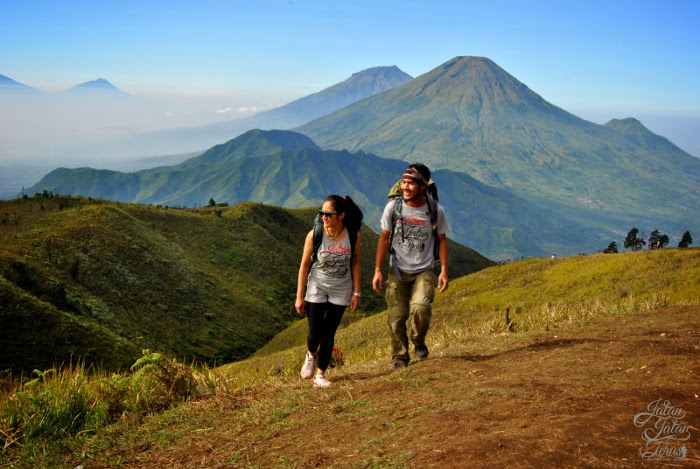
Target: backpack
column 395, row 195
column 318, row 239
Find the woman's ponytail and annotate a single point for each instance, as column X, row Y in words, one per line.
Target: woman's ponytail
column 353, row 214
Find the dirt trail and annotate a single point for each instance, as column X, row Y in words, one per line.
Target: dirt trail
column 564, row 398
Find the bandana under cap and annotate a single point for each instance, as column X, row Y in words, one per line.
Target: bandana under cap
column 413, row 175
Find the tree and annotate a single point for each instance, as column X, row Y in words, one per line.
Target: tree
column 631, row 241
column 611, row 249
column 212, row 203
column 686, row 240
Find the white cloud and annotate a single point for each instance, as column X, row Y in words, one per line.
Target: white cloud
column 246, row 110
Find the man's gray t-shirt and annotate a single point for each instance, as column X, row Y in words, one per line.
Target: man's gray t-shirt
column 414, row 253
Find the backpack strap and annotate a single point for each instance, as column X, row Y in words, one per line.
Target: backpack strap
column 318, row 237
column 353, row 239
column 436, row 241
column 396, row 215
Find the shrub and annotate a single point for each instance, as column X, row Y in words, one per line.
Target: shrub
column 60, row 403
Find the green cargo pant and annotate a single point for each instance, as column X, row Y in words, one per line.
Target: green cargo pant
column 409, row 301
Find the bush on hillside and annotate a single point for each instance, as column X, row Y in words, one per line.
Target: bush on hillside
column 611, row 249
column 632, row 241
column 686, row 240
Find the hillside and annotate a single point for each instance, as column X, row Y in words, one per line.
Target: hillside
column 539, row 293
column 594, row 341
column 470, row 115
column 104, row 280
column 288, row 169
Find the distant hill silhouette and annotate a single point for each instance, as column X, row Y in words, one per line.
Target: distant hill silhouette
column 7, row 84
column 470, row 115
column 288, row 169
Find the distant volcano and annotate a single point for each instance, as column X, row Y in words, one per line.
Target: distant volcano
column 96, row 85
column 470, row 115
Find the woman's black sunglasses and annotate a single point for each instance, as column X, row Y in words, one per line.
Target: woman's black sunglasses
column 327, row 214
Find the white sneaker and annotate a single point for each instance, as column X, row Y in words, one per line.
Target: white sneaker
column 320, row 381
column 307, row 370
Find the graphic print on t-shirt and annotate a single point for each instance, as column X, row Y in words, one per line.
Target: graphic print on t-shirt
column 335, row 260
column 415, row 233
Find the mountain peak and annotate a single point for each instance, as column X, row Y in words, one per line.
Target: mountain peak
column 376, row 70
column 368, row 82
column 253, row 142
column 100, row 84
column 479, row 81
column 629, row 125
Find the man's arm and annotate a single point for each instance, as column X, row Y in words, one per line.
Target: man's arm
column 382, row 246
column 443, row 281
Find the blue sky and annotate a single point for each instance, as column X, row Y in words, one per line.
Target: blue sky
column 597, row 59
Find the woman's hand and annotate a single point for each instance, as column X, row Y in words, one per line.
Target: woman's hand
column 299, row 305
column 354, row 303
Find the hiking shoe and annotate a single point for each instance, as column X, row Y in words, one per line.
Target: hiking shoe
column 320, row 381
column 307, row 370
column 421, row 351
column 399, row 366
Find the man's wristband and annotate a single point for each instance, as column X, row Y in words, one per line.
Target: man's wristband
column 357, row 293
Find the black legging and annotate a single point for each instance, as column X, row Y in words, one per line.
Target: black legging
column 324, row 319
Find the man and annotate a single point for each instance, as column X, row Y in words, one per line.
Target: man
column 410, row 289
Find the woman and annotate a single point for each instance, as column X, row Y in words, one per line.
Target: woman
column 332, row 282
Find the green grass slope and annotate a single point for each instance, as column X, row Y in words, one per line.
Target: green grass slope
column 104, row 280
column 539, row 294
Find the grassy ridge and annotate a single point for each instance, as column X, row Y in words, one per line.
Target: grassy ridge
column 104, row 280
column 155, row 278
column 540, row 294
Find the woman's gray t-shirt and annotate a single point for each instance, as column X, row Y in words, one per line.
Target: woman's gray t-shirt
column 330, row 274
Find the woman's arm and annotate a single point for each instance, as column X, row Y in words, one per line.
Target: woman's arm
column 356, row 278
column 304, row 272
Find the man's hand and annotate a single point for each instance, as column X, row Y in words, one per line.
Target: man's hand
column 378, row 281
column 443, row 282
